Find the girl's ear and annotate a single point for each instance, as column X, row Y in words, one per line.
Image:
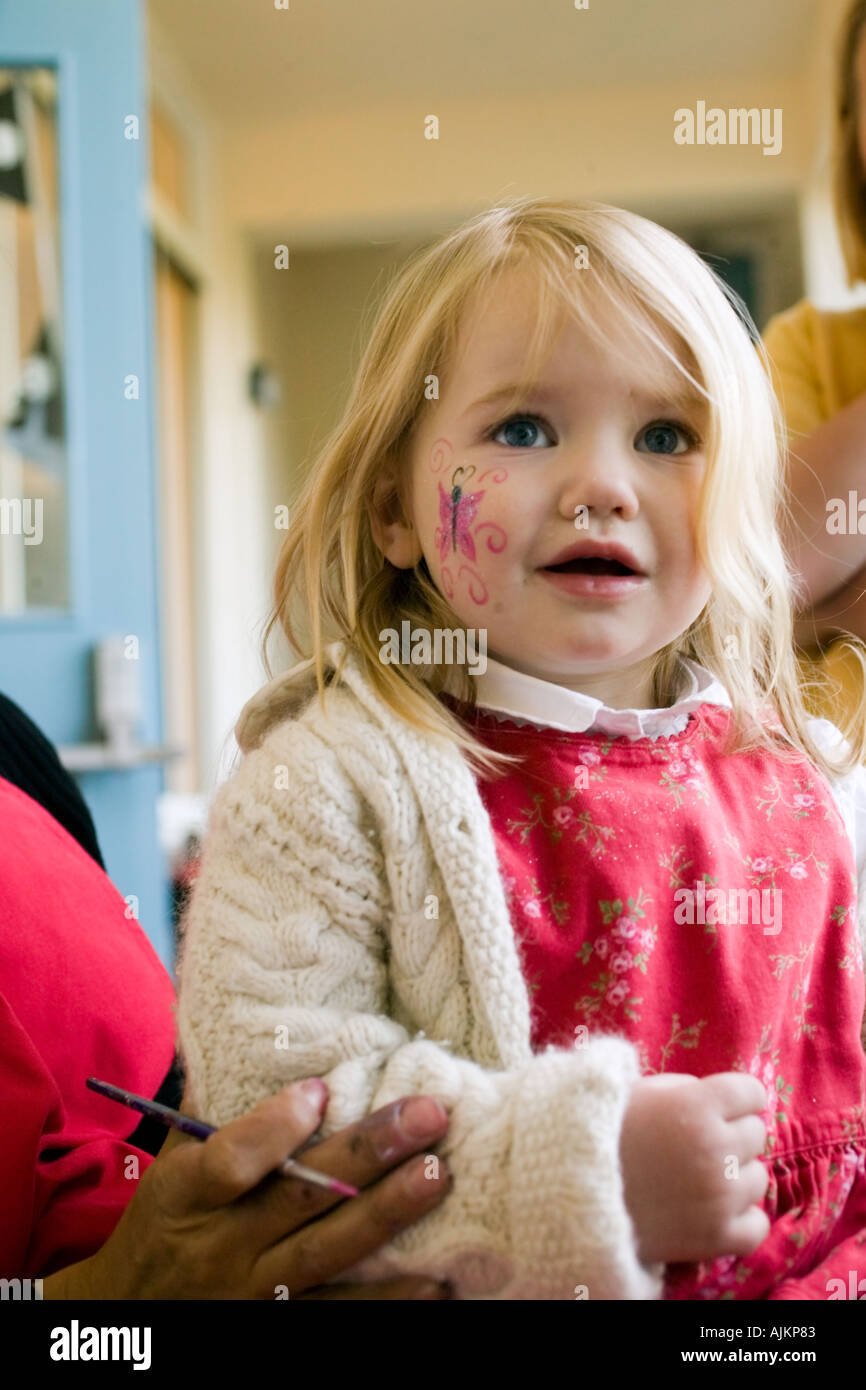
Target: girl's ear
column 393, row 533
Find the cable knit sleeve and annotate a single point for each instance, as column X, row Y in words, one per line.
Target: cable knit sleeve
column 288, row 969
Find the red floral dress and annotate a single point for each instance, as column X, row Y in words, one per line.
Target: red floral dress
column 629, row 866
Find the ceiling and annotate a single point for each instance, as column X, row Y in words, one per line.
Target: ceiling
column 258, row 62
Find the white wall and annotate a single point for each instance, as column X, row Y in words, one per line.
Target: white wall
column 372, row 173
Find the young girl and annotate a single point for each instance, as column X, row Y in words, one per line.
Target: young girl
column 597, row 893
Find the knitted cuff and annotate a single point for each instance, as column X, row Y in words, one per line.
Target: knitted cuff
column 537, row 1208
column 568, row 1212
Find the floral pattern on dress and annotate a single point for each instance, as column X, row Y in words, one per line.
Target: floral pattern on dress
column 688, row 1037
column 625, row 948
column 684, row 774
column 535, row 902
column 845, row 914
column 803, row 801
column 552, row 821
column 555, row 820
column 767, row 1067
column 676, row 864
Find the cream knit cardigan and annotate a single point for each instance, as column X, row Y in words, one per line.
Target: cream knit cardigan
column 310, row 920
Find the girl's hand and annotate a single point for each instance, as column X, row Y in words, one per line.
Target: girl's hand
column 211, row 1220
column 688, row 1199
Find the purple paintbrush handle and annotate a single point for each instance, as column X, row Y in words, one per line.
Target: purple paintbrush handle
column 172, row 1119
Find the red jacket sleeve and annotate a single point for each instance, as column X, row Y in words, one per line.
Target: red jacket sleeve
column 82, row 993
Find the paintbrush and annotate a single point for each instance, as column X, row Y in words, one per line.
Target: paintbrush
column 289, row 1168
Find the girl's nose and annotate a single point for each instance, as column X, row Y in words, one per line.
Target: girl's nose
column 599, row 477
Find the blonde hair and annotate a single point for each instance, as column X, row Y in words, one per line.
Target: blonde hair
column 849, row 181
column 331, row 563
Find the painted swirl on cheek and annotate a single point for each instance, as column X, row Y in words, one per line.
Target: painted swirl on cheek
column 441, row 455
column 476, row 588
column 500, row 535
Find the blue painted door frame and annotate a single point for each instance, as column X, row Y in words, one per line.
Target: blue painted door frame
column 97, row 49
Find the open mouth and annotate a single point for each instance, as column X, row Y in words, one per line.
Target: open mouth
column 591, row 564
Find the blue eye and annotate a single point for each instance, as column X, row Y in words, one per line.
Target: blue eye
column 524, row 430
column 662, row 438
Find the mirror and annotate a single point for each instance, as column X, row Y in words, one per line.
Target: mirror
column 33, row 445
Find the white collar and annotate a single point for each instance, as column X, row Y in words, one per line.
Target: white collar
column 526, row 699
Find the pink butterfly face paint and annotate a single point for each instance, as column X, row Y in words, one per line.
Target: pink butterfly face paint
column 457, row 511
column 457, row 533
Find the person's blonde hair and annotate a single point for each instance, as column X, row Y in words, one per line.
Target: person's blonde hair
column 849, row 181
column 344, row 588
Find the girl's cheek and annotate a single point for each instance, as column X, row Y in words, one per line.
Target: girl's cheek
column 466, row 537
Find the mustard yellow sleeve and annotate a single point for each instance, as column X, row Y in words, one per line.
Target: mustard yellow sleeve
column 794, row 348
column 840, row 701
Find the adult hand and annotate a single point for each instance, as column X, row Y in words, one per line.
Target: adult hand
column 842, row 611
column 213, row 1221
